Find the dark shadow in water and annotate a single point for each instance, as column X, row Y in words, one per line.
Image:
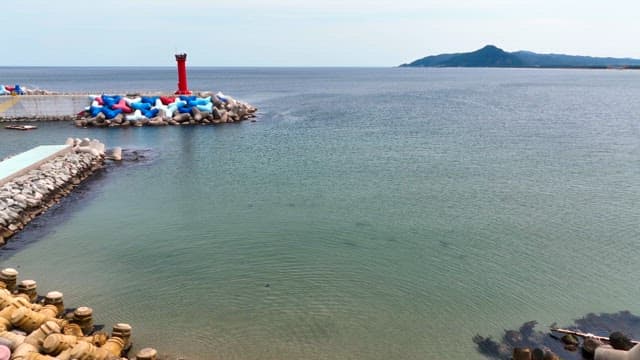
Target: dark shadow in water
column 81, row 196
column 526, row 336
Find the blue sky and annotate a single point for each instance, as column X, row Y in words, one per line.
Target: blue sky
column 306, row 33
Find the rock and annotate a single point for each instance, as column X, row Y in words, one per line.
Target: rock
column 116, row 154
column 197, row 114
column 95, row 144
column 33, row 202
column 571, row 347
column 537, row 354
column 216, row 114
column 181, row 118
column 619, row 341
column 118, row 119
column 550, row 355
column 521, row 354
column 569, row 339
column 589, row 345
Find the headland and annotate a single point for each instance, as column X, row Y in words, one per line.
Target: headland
column 492, row 56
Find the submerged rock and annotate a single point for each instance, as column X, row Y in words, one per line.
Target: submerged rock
column 569, row 339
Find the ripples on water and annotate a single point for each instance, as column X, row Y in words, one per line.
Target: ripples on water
column 368, row 214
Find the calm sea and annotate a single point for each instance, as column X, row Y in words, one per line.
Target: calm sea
column 368, row 214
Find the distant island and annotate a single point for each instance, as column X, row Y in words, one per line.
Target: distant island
column 492, row 56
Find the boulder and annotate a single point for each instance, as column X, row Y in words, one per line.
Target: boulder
column 619, row 341
column 589, row 345
column 569, row 339
column 521, row 354
column 197, row 114
column 537, row 354
column 116, row 153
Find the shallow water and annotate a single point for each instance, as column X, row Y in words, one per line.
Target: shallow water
column 368, row 214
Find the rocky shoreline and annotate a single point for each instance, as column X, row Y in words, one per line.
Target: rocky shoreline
column 29, row 195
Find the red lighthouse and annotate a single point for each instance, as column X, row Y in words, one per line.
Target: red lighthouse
column 183, row 89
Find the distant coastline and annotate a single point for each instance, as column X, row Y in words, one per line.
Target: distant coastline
column 492, row 56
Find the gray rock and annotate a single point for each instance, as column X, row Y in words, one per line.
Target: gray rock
column 116, row 154
column 569, row 339
column 619, row 341
column 537, row 354
column 589, row 345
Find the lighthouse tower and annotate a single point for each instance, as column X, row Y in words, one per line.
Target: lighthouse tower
column 183, row 89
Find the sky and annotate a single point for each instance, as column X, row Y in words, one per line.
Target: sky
column 306, row 33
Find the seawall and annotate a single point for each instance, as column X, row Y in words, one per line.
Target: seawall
column 41, row 183
column 41, row 107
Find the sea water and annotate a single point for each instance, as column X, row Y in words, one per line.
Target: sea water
column 367, row 214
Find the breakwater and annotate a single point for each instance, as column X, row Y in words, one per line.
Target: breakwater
column 27, row 194
column 21, row 90
column 41, row 107
column 40, row 327
column 129, row 110
column 122, row 111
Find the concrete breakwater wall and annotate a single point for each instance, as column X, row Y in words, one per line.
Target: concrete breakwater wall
column 41, row 327
column 41, row 107
column 25, row 196
column 205, row 108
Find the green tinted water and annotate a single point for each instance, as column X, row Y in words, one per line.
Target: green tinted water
column 368, row 214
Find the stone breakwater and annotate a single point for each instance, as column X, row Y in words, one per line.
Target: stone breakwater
column 34, row 327
column 27, row 196
column 133, row 110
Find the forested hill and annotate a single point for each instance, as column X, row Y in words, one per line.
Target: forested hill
column 491, row 56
